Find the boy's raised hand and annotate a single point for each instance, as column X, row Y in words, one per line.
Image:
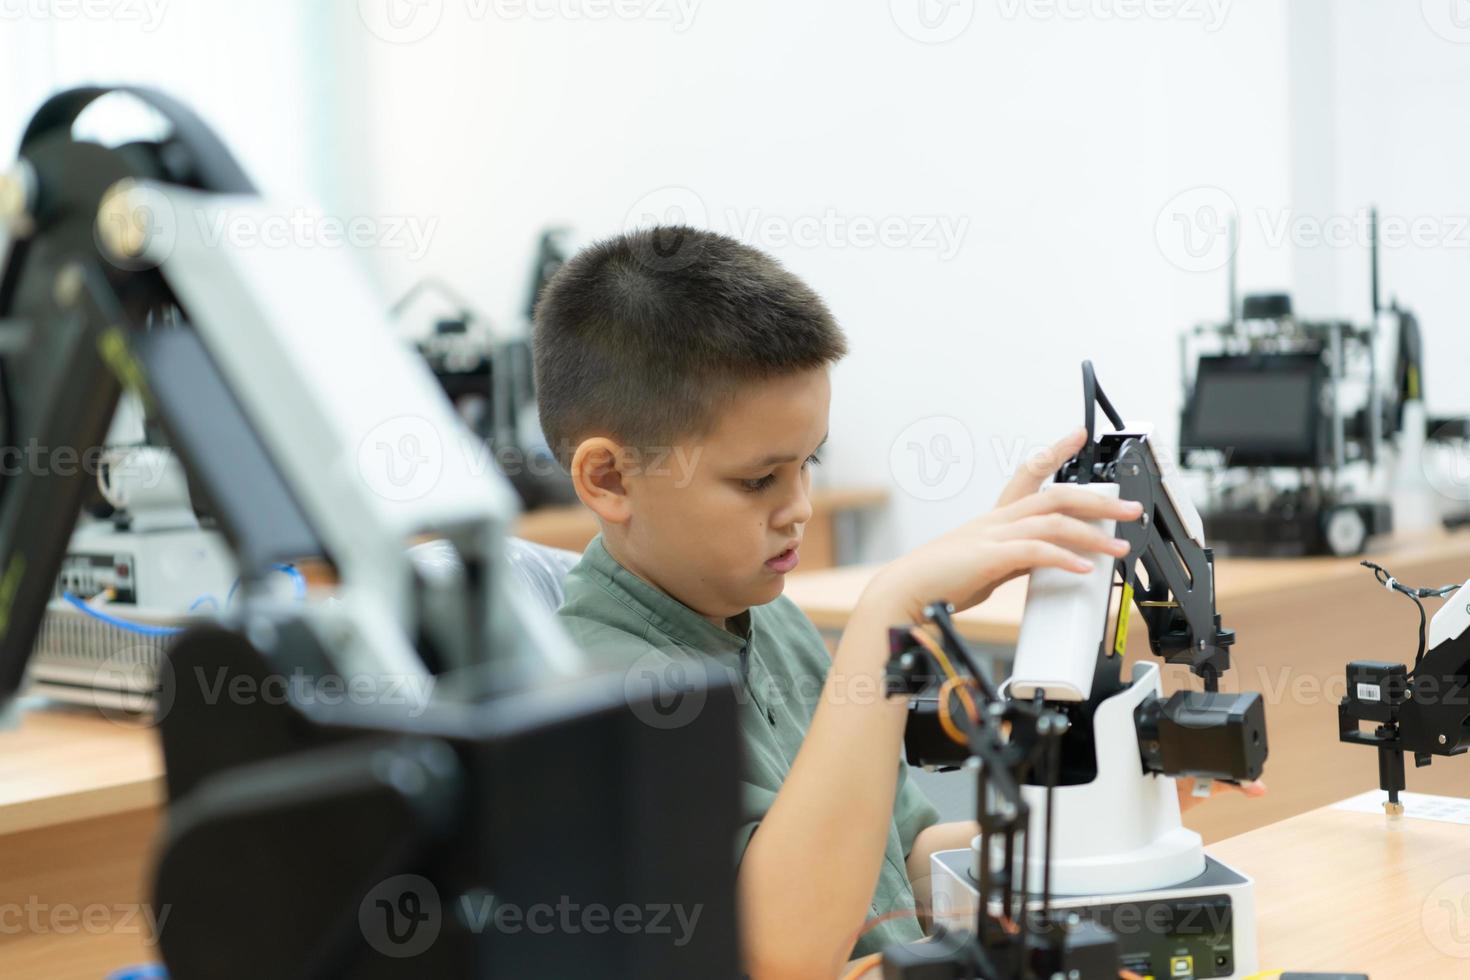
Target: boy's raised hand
column 1027, row 529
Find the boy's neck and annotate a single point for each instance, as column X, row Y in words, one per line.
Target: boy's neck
column 619, row 554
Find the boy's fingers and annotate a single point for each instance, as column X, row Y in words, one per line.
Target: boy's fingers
column 1251, row 790
column 1037, row 468
column 1067, row 531
column 1073, row 500
column 1025, row 554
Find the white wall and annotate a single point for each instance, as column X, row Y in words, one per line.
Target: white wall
column 248, row 69
column 1055, row 144
column 1401, row 87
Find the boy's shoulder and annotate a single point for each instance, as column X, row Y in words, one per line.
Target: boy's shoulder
column 617, row 625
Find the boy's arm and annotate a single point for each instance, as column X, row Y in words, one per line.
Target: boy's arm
column 808, row 874
column 932, row 839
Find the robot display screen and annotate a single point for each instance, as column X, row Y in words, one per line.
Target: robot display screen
column 1257, row 410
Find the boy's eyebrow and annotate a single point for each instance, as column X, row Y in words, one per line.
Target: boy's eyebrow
column 778, row 459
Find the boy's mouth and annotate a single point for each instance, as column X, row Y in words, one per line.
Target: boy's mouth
column 785, row 561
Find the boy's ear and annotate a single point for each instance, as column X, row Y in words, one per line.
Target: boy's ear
column 600, row 472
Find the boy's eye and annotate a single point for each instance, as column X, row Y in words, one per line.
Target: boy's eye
column 761, row 483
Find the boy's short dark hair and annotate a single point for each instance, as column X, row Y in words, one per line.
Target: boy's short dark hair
column 643, row 349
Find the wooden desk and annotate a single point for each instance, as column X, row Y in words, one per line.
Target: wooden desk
column 80, row 800
column 827, row 596
column 1298, row 623
column 572, row 527
column 1348, row 892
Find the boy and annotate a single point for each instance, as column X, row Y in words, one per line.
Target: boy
column 682, row 380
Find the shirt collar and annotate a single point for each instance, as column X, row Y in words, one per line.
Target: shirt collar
column 662, row 611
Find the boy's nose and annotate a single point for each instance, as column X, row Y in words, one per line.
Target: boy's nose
column 799, row 511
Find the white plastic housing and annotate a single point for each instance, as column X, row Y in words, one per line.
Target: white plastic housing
column 1063, row 623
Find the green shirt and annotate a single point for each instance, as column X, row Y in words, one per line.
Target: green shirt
column 622, row 620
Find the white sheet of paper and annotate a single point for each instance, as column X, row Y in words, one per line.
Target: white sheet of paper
column 1423, row 806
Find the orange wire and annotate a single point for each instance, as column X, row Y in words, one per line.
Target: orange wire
column 928, row 643
column 946, row 722
column 863, row 966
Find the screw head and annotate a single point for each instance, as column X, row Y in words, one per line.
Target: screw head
column 1442, row 740
column 17, row 194
column 119, row 233
column 67, row 289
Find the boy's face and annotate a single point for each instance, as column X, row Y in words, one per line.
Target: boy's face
column 716, row 524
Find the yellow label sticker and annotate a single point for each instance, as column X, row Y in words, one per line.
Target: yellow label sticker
column 112, row 344
column 9, row 585
column 1125, row 609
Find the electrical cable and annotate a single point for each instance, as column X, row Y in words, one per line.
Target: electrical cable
column 142, row 629
column 1417, row 594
